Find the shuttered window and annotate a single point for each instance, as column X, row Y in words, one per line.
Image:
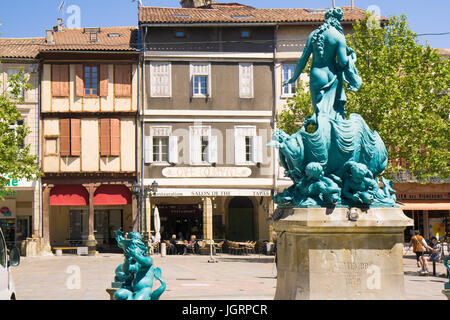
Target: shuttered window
column 70, row 137
column 246, row 80
column 248, row 147
column 200, row 80
column 110, row 137
column 60, row 80
column 91, row 80
column 160, row 79
column 64, row 137
column 104, row 80
column 122, row 80
column 79, row 82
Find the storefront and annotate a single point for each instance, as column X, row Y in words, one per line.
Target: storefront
column 70, row 214
column 16, row 211
column 232, row 214
column 429, row 206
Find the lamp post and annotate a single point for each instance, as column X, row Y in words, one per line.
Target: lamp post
column 142, row 194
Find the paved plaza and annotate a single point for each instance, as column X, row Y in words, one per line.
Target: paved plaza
column 188, row 277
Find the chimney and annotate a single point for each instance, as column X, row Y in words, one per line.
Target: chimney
column 59, row 27
column 49, row 37
column 194, row 3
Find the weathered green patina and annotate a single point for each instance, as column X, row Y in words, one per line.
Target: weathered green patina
column 137, row 273
column 338, row 163
column 447, row 285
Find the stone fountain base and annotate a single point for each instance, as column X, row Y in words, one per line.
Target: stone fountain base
column 340, row 254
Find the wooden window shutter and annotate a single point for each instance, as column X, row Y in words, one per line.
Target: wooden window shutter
column 79, row 80
column 64, row 137
column 122, row 80
column 60, row 80
column 105, row 137
column 115, row 137
column 104, row 80
column 75, row 137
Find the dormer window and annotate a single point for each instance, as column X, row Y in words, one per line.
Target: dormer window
column 180, row 33
column 245, row 33
column 93, row 37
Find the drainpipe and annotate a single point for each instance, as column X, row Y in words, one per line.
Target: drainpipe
column 143, row 49
column 274, row 120
column 39, row 147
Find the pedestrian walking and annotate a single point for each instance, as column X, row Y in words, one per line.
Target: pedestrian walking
column 419, row 247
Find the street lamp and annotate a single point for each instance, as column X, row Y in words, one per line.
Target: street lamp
column 142, row 194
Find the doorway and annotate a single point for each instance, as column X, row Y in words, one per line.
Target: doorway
column 105, row 223
column 184, row 219
column 240, row 220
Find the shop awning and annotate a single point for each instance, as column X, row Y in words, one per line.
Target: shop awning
column 69, row 195
column 112, row 194
column 425, row 206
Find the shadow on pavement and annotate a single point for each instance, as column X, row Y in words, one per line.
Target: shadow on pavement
column 255, row 260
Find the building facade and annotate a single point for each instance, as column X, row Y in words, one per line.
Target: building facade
column 20, row 208
column 89, row 103
column 206, row 118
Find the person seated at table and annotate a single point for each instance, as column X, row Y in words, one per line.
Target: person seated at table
column 191, row 244
column 173, row 245
column 434, row 256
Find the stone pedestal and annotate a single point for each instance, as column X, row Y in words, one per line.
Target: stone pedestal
column 340, row 254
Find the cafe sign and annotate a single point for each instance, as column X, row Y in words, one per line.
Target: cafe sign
column 203, row 192
column 206, row 172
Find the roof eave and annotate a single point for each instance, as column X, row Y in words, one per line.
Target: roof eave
column 232, row 24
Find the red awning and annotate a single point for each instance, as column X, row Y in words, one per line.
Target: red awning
column 69, row 195
column 112, row 194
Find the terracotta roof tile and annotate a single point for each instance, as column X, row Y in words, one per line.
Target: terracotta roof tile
column 108, row 39
column 20, row 47
column 239, row 14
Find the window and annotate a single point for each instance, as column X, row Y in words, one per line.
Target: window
column 90, row 80
column 109, row 137
column 246, row 80
column 245, row 33
column 200, row 80
column 9, row 89
column 160, row 145
column 160, row 79
column 14, row 128
column 248, row 149
column 203, row 145
column 70, row 137
column 51, row 146
column 248, row 146
column 200, row 85
column 287, row 73
column 180, row 34
column 160, row 149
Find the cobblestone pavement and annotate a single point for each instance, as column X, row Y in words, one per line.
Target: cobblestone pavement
column 188, row 277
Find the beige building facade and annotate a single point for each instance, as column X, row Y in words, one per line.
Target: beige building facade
column 89, row 102
column 20, row 209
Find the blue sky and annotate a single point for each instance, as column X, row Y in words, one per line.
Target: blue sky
column 30, row 18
